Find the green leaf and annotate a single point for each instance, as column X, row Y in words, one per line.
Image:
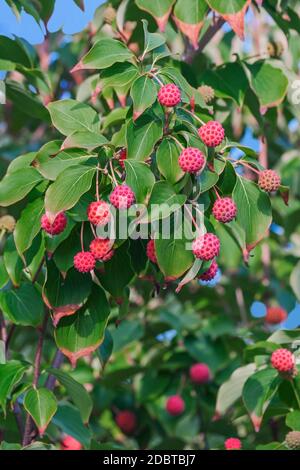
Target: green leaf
column 65, row 294
column 285, row 336
column 23, row 306
column 41, row 404
column 293, row 420
column 140, row 178
column 4, row 277
column 15, row 186
column 262, row 74
column 103, row 54
column 12, row 261
column 28, row 225
column 117, row 272
column 159, row 9
column 163, row 202
column 151, row 40
column 11, row 374
column 174, row 258
column 76, row 391
column 84, row 139
column 50, row 161
column 26, row 102
column 21, row 162
column 231, row 390
column 106, row 348
column 258, row 392
column 119, row 76
column 190, row 11
column 226, row 6
column 14, row 50
column 2, row 352
column 167, row 157
column 141, row 137
column 80, row 334
column 68, row 419
column 143, row 93
column 69, row 116
column 68, row 188
column 254, row 211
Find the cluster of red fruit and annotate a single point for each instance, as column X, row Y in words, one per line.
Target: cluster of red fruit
column 175, row 406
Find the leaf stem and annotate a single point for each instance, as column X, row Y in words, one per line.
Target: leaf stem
column 81, row 236
column 195, row 116
column 97, row 183
column 113, row 173
column 177, row 141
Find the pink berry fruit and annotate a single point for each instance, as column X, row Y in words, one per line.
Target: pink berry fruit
column 57, row 226
column 151, row 253
column 224, row 210
column 122, row 157
column 70, row 443
column 212, row 133
column 175, row 405
column 283, row 360
column 169, row 95
column 191, row 160
column 84, row 261
column 206, row 247
column 200, row 373
column 99, row 213
column 122, row 197
column 269, row 181
column 233, row 443
column 126, row 420
column 101, row 248
column 211, row 273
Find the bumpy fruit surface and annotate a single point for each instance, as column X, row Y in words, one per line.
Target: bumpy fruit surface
column 212, row 133
column 207, row 93
column 211, row 273
column 269, row 181
column 283, row 360
column 175, row 405
column 191, row 160
column 206, row 247
column 126, row 420
column 57, row 226
column 99, row 213
column 233, row 443
column 69, row 443
column 275, row 315
column 122, row 197
column 224, row 209
column 169, row 95
column 101, row 248
column 292, row 440
column 84, row 261
column 122, row 157
column 200, row 373
column 151, row 253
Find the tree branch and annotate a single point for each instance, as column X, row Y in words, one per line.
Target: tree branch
column 57, row 362
column 206, row 38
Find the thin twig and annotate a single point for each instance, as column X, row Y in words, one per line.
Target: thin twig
column 57, row 362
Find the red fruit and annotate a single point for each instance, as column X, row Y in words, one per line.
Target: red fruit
column 200, row 373
column 224, row 209
column 69, row 443
column 84, row 261
column 151, row 251
column 206, row 247
column 269, row 180
column 233, row 443
column 101, row 248
column 122, row 197
column 283, row 360
column 175, row 405
column 57, row 226
column 212, row 133
column 275, row 315
column 169, row 95
column 99, row 213
column 122, row 157
column 109, row 255
column 126, row 420
column 211, row 273
column 191, row 160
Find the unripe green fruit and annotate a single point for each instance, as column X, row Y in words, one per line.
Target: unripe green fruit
column 292, row 440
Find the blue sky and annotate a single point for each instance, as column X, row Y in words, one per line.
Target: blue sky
column 66, row 16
